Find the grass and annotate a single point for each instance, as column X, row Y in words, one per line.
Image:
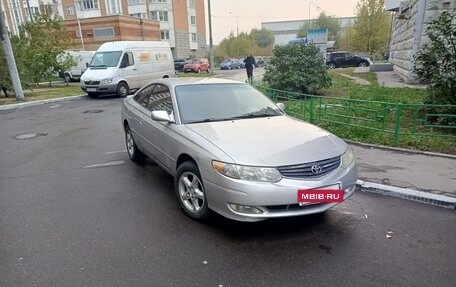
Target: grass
column 44, row 92
column 373, row 115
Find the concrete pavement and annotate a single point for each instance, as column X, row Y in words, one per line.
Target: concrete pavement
column 419, row 176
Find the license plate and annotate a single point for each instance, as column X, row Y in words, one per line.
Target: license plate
column 330, row 193
column 91, row 89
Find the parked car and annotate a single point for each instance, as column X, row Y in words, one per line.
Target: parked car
column 346, row 59
column 233, row 151
column 179, row 64
column 122, row 67
column 259, row 62
column 242, row 63
column 197, row 66
column 82, row 59
column 229, row 64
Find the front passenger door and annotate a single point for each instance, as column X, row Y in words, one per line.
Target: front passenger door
column 158, row 134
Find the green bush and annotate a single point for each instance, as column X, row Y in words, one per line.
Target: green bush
column 436, row 65
column 297, row 68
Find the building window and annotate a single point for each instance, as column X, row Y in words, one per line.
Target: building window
column 194, row 39
column 87, row 4
column 164, row 34
column 158, row 1
column 191, row 4
column 113, row 7
column 70, row 10
column 136, row 2
column 103, row 32
column 139, row 15
column 161, row 16
column 193, row 20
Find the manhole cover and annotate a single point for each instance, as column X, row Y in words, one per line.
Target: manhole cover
column 93, row 111
column 28, row 136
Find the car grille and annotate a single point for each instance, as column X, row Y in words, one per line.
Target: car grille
column 91, row 83
column 310, row 169
column 292, row 207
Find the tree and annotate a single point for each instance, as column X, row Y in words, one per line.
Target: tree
column 38, row 45
column 322, row 22
column 436, row 64
column 297, row 68
column 372, row 29
column 332, row 24
column 262, row 38
column 235, row 46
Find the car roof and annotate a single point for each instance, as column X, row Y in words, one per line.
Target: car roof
column 175, row 82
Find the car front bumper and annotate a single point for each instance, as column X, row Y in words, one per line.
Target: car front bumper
column 274, row 200
column 100, row 89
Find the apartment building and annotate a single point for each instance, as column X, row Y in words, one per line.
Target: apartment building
column 181, row 23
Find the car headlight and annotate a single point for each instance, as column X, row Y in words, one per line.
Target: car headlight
column 251, row 173
column 347, row 158
column 106, row 81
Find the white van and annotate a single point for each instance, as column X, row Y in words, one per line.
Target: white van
column 82, row 58
column 124, row 66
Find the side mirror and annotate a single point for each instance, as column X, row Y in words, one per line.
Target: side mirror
column 161, row 116
column 281, row 106
column 123, row 64
column 87, row 65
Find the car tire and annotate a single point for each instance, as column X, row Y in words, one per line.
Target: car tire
column 208, row 70
column 190, row 193
column 133, row 152
column 331, row 66
column 123, row 90
column 93, row 95
column 363, row 64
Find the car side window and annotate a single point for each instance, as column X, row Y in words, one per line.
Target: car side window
column 348, row 56
column 143, row 96
column 128, row 59
column 160, row 100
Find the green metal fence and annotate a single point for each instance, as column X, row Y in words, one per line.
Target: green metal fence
column 393, row 121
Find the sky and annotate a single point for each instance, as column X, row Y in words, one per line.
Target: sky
column 248, row 14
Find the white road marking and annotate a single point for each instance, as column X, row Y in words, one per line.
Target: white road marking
column 111, row 163
column 113, row 152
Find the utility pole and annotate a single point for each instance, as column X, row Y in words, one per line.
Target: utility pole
column 211, row 46
column 10, row 61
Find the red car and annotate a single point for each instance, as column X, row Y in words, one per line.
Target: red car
column 197, row 66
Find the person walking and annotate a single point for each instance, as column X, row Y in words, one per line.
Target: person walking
column 249, row 66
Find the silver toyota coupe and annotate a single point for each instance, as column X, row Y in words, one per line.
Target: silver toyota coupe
column 233, row 151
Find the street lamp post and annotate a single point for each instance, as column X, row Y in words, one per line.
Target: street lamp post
column 237, row 24
column 318, row 9
column 211, row 45
column 81, row 37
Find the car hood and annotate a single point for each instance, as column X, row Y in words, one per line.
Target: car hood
column 98, row 74
column 273, row 141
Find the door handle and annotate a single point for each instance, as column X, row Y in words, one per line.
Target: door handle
column 135, row 69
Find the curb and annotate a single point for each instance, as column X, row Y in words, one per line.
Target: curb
column 403, row 150
column 405, row 193
column 40, row 102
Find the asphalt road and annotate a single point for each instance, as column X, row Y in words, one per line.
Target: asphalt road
column 75, row 211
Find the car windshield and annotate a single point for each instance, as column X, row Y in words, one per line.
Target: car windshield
column 106, row 59
column 221, row 102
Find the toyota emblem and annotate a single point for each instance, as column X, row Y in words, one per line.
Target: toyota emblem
column 316, row 169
